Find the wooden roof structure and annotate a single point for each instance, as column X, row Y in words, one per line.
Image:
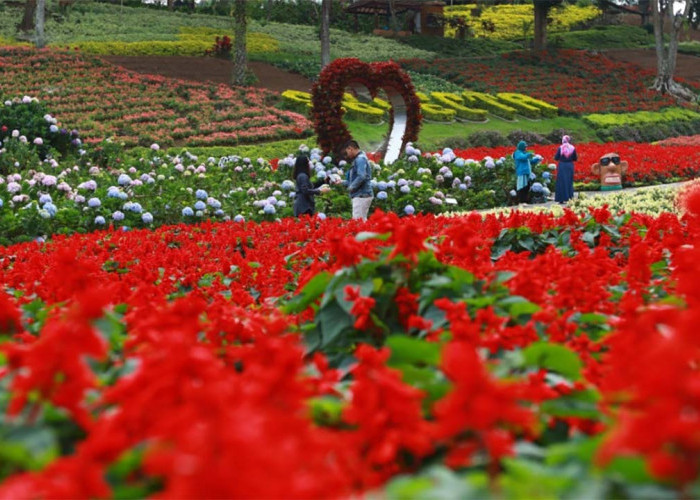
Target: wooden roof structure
column 380, row 7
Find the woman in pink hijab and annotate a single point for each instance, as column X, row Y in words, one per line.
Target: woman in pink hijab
column 566, row 156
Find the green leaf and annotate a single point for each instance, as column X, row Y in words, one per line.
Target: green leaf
column 413, row 351
column 368, row 235
column 326, row 410
column 332, row 321
column 582, row 404
column 309, row 294
column 554, row 357
column 519, row 306
column 28, row 448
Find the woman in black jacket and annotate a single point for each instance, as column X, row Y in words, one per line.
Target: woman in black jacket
column 304, row 202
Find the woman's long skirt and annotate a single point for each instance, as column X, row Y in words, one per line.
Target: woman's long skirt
column 564, row 189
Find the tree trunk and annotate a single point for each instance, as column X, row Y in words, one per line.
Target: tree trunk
column 40, row 15
column 171, row 4
column 27, row 24
column 541, row 10
column 666, row 55
column 268, row 14
column 240, row 57
column 325, row 33
column 394, row 22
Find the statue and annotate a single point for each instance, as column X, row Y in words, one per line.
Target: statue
column 610, row 169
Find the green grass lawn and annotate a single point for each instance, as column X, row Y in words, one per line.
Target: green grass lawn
column 437, row 135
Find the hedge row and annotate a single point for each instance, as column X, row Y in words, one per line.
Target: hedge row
column 439, row 106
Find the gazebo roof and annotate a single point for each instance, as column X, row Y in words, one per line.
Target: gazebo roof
column 382, row 7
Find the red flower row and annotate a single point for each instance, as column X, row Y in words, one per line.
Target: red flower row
column 208, row 379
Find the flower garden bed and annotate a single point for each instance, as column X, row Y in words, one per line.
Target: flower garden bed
column 140, row 110
column 172, row 361
column 575, row 81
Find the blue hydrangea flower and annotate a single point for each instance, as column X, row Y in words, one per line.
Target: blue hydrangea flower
column 214, row 203
column 118, row 215
column 122, row 195
column 99, row 220
column 136, row 208
column 381, row 185
column 321, row 216
column 147, row 218
column 1, row 203
column 409, row 210
column 327, row 160
column 239, row 218
column 113, row 192
column 124, row 180
column 391, row 184
column 45, row 198
column 269, row 209
column 50, row 208
column 463, row 186
column 537, row 187
column 459, row 162
column 201, row 194
column 546, row 175
column 405, row 189
column 44, row 214
column 200, row 205
column 219, row 213
column 381, row 195
column 287, row 185
column 94, row 202
column 513, row 193
column 187, row 212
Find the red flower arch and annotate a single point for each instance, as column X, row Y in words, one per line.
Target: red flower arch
column 327, row 96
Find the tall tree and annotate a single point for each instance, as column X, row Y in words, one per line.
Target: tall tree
column 394, row 21
column 542, row 8
column 240, row 55
column 667, row 53
column 40, row 17
column 27, row 24
column 325, row 32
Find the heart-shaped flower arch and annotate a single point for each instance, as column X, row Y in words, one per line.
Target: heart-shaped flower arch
column 365, row 78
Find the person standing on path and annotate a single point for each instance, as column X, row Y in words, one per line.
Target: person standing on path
column 566, row 156
column 359, row 178
column 522, row 171
column 304, row 203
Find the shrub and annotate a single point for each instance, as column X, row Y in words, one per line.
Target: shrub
column 222, row 48
column 454, row 101
column 29, row 118
column 530, row 137
column 362, row 111
column 487, row 138
column 437, row 113
column 528, row 106
column 489, row 102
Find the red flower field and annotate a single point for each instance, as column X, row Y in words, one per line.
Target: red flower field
column 271, row 360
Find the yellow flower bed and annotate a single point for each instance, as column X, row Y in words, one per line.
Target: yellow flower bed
column 509, row 20
column 191, row 42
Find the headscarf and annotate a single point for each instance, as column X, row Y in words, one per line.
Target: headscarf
column 566, row 148
column 522, row 146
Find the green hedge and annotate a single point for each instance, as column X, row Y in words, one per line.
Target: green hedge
column 600, row 37
column 528, row 106
column 669, row 115
column 437, row 113
column 454, row 101
column 489, row 102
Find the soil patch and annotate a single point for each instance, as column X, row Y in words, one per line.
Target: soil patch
column 210, row 69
